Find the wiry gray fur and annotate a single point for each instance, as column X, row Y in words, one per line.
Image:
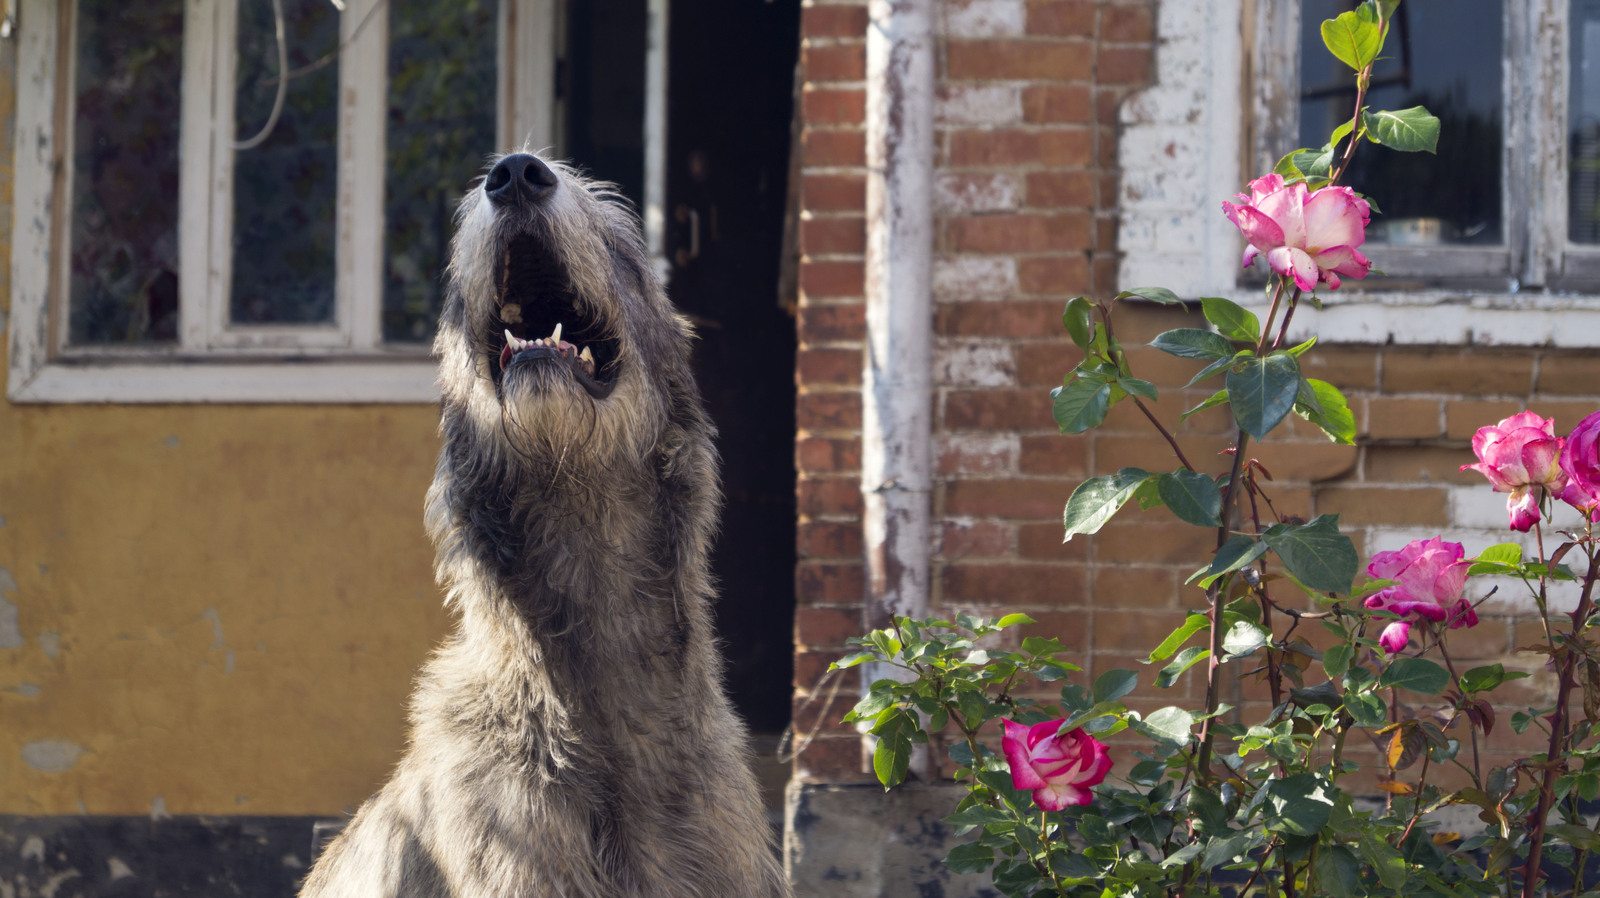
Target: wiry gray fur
column 571, row 737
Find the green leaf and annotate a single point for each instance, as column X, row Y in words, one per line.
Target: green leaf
column 852, row 660
column 1262, row 391
column 1148, row 495
column 1354, row 37
column 1237, row 552
column 1098, row 498
column 1315, row 163
column 1483, row 679
column 1114, row 684
column 1231, row 320
column 1154, row 294
column 1137, row 387
column 1407, row 130
column 1299, row 805
column 1215, row 368
column 1368, row 710
column 1338, row 872
column 1336, row 660
column 1096, row 831
column 1191, row 625
column 1169, row 727
column 1244, row 638
column 1316, row 553
column 1193, row 343
column 1287, row 168
column 1080, row 405
column 892, row 757
column 1014, row 620
column 978, row 815
column 1192, row 496
column 1385, row 859
column 1574, row 835
column 1331, row 412
column 972, row 857
column 1502, row 553
column 1186, row 659
column 1078, row 321
column 1216, row 399
column 1416, row 674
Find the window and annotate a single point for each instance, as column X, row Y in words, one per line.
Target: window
column 1505, row 219
column 205, row 213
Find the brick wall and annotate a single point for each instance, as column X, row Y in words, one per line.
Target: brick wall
column 1026, row 207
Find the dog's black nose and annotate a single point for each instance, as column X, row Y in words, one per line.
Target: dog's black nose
column 519, row 178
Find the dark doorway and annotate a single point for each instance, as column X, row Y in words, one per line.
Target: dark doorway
column 730, row 84
column 730, row 88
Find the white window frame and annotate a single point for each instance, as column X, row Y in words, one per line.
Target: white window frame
column 214, row 361
column 1186, row 147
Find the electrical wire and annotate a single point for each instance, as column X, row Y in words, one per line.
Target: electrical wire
column 283, row 83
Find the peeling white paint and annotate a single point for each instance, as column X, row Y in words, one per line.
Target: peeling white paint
column 216, row 627
column 120, row 869
column 158, row 808
column 51, row 755
column 33, row 849
column 2, row 520
column 172, row 441
column 10, row 635
column 26, row 690
column 50, row 643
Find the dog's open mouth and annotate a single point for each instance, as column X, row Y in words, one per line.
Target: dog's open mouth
column 543, row 322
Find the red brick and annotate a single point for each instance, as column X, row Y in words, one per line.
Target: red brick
column 826, row 626
column 1470, row 372
column 833, row 193
column 1055, row 454
column 833, row 21
column 1057, row 146
column 829, row 759
column 828, row 539
column 832, row 410
column 1135, row 587
column 1020, row 233
column 1070, row 628
column 997, row 410
column 1304, row 462
column 823, row 455
column 832, row 280
column 1153, row 537
column 974, row 539
column 1420, row 506
column 837, row 106
column 1020, row 60
column 976, row 456
column 1127, row 24
column 846, row 62
column 833, row 236
column 1149, row 451
column 1074, row 18
column 1123, row 65
column 828, row 495
column 1043, row 541
column 1401, row 419
column 1133, row 631
column 1347, row 369
column 1419, row 464
column 1568, row 374
column 1061, row 190
column 1007, row 498
column 823, row 149
column 828, row 366
column 1018, row 318
column 1463, row 417
column 811, row 667
column 1016, row 584
column 823, row 711
column 1057, row 275
column 832, row 323
column 828, row 583
column 1058, row 104
column 1046, row 364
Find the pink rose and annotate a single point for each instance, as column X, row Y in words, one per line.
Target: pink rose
column 1429, row 576
column 1395, row 637
column 1520, row 456
column 1580, row 461
column 1313, row 238
column 1059, row 769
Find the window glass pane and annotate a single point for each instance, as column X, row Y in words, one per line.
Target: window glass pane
column 1583, row 113
column 1446, row 55
column 441, row 129
column 124, row 258
column 606, row 45
column 284, row 190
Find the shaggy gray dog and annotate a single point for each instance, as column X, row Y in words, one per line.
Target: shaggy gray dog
column 571, row 737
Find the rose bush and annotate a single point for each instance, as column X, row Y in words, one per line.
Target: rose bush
column 1058, row 767
column 1580, row 461
column 1309, row 235
column 1520, row 456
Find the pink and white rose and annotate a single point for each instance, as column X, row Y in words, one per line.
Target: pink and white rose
column 1059, row 769
column 1429, row 577
column 1520, row 456
column 1311, row 236
column 1580, row 462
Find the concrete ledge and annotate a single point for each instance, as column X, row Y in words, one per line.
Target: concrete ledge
column 861, row 842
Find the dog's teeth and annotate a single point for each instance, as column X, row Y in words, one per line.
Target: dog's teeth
column 555, row 335
column 586, row 355
column 510, row 340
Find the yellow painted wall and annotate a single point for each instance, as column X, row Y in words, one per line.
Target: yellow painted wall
column 218, row 609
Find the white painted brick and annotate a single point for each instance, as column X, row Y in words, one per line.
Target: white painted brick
column 987, row 104
column 984, row 18
column 956, row 193
column 971, row 364
column 974, row 277
column 980, row 453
